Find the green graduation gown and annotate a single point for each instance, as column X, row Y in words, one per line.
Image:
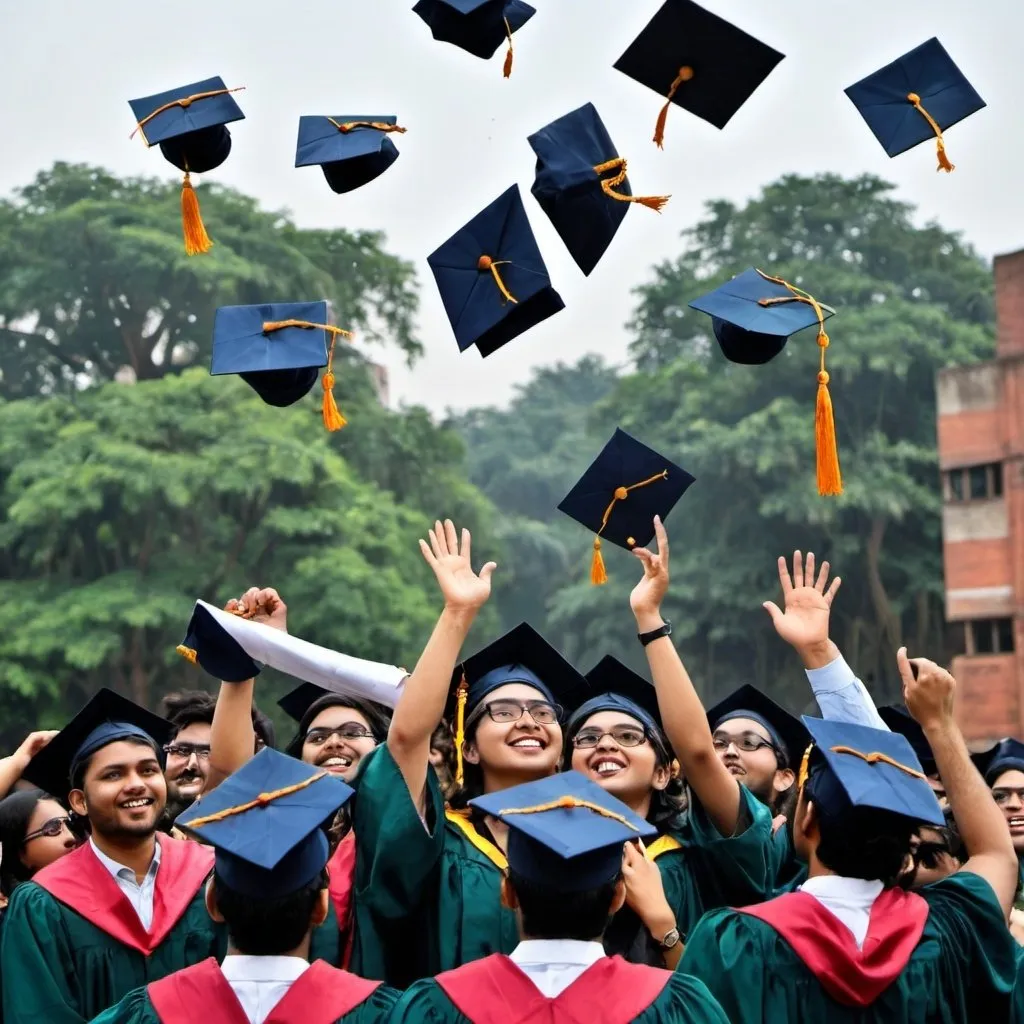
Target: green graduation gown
column 73, row 944
column 957, row 968
column 611, row 991
column 322, row 995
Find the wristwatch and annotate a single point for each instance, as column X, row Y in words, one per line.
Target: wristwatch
column 665, row 629
column 670, row 940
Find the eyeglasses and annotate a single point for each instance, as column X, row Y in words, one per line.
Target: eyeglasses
column 748, row 742
column 927, row 855
column 186, row 750
column 51, row 829
column 505, row 712
column 1003, row 794
column 346, row 731
column 624, row 735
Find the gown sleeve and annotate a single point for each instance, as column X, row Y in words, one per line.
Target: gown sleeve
column 134, row 1008
column 426, row 1003
column 375, row 1010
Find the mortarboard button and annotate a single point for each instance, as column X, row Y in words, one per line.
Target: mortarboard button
column 581, row 184
column 492, row 277
column 618, row 688
column 617, row 498
column 352, row 150
column 190, row 126
column 784, row 729
column 752, row 316
column 914, row 99
column 477, row 26
column 699, row 61
column 277, row 349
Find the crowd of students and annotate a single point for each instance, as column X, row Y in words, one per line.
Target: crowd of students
column 518, row 841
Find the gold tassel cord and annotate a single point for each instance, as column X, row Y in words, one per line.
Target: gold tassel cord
column 507, row 71
column 347, row 126
column 940, row 143
column 875, row 757
column 598, row 573
column 569, row 803
column 261, row 801
column 684, row 75
column 460, row 727
column 187, row 653
column 486, row 263
column 197, row 241
column 609, row 186
column 185, row 102
column 805, row 768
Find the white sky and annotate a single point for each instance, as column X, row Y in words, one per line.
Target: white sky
column 70, row 66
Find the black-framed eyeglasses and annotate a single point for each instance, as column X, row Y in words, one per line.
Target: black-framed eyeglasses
column 1003, row 793
column 346, row 731
column 505, row 712
column 748, row 742
column 51, row 829
column 186, row 750
column 624, row 735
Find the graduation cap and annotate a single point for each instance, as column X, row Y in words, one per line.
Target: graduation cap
column 492, row 277
column 477, row 26
column 1004, row 756
column 522, row 655
column 581, row 184
column 699, row 61
column 617, row 498
column 856, row 766
column 565, row 833
column 107, row 718
column 899, row 719
column 786, row 731
column 265, row 824
column 351, row 149
column 618, row 688
column 752, row 316
column 190, row 126
column 278, row 348
column 914, row 99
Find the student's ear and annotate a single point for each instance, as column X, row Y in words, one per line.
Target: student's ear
column 619, row 898
column 76, row 801
column 509, row 899
column 469, row 753
column 662, row 777
column 210, row 896
column 784, row 778
column 321, row 909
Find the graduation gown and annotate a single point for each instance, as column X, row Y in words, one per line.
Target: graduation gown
column 789, row 871
column 73, row 944
column 611, row 991
column 321, row 995
column 943, row 956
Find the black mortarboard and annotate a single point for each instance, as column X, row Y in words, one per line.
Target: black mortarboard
column 352, row 149
column 617, row 498
column 477, row 26
column 215, row 650
column 914, row 99
column 107, row 718
column 266, row 825
column 581, row 184
column 492, row 277
column 699, row 61
column 898, row 718
column 617, row 688
column 786, row 731
column 190, row 126
column 1003, row 756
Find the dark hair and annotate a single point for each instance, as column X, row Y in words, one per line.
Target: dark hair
column 82, row 768
column 378, row 718
column 951, row 833
column 548, row 912
column 268, row 927
column 863, row 842
column 15, row 812
column 188, row 707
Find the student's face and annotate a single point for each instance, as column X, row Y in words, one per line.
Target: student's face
column 333, row 742
column 42, row 849
column 124, row 791
column 1008, row 793
column 518, row 747
column 758, row 769
column 188, row 763
column 629, row 772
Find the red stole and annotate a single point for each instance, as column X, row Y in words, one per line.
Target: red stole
column 852, row 976
column 322, row 995
column 495, row 991
column 82, row 883
column 341, row 872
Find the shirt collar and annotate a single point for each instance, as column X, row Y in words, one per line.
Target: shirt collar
column 238, row 968
column 116, row 869
column 839, row 889
column 557, row 951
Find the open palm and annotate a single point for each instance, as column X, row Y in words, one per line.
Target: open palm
column 807, row 602
column 461, row 587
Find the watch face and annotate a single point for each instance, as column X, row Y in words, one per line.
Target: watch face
column 670, row 940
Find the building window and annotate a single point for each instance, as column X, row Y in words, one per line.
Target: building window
column 990, row 636
column 974, row 483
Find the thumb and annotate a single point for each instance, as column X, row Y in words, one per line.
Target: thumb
column 485, row 572
column 774, row 611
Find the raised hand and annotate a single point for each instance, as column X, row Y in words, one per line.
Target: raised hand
column 647, row 595
column 32, row 744
column 463, row 589
column 262, row 605
column 927, row 690
column 804, row 623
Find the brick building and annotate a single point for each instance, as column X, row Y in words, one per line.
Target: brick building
column 981, row 455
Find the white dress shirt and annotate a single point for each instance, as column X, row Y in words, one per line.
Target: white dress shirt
column 261, row 982
column 842, row 697
column 554, row 964
column 850, row 899
column 139, row 895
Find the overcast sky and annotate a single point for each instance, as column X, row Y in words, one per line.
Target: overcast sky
column 69, row 67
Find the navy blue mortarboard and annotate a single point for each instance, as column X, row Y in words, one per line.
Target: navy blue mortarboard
column 277, row 349
column 699, row 61
column 352, row 149
column 565, row 832
column 477, row 26
column 752, row 316
column 617, row 498
column 265, row 824
column 856, row 766
column 786, row 731
column 581, row 184
column 107, row 718
column 190, row 126
column 914, row 99
column 215, row 650
column 492, row 277
column 618, row 688
column 1004, row 756
column 899, row 719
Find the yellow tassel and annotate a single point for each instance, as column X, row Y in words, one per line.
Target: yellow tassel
column 940, row 144
column 333, row 420
column 685, row 74
column 508, row 56
column 830, row 480
column 944, row 164
column 460, row 727
column 187, row 653
column 196, row 239
column 610, row 186
column 598, row 573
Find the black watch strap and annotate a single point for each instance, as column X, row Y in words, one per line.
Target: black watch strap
column 665, row 629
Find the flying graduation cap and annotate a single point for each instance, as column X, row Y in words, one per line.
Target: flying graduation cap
column 914, row 99
column 278, row 349
column 698, row 61
column 617, row 498
column 351, row 149
column 477, row 26
column 492, row 277
column 581, row 184
column 190, row 126
column 752, row 316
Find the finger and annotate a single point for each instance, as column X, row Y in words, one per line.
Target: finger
column 773, row 610
column 809, row 570
column 822, row 577
column 641, row 847
column 662, row 537
column 784, row 579
column 451, row 537
column 232, row 605
column 833, row 589
column 798, row 569
column 905, row 670
column 436, row 542
column 428, row 555
column 485, row 572
column 644, row 554
column 467, row 546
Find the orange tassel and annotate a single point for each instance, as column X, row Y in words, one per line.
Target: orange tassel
column 830, row 480
column 598, row 573
column 685, row 74
column 610, row 186
column 333, row 420
column 940, row 143
column 196, row 239
column 187, row 653
column 508, row 56
column 460, row 727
